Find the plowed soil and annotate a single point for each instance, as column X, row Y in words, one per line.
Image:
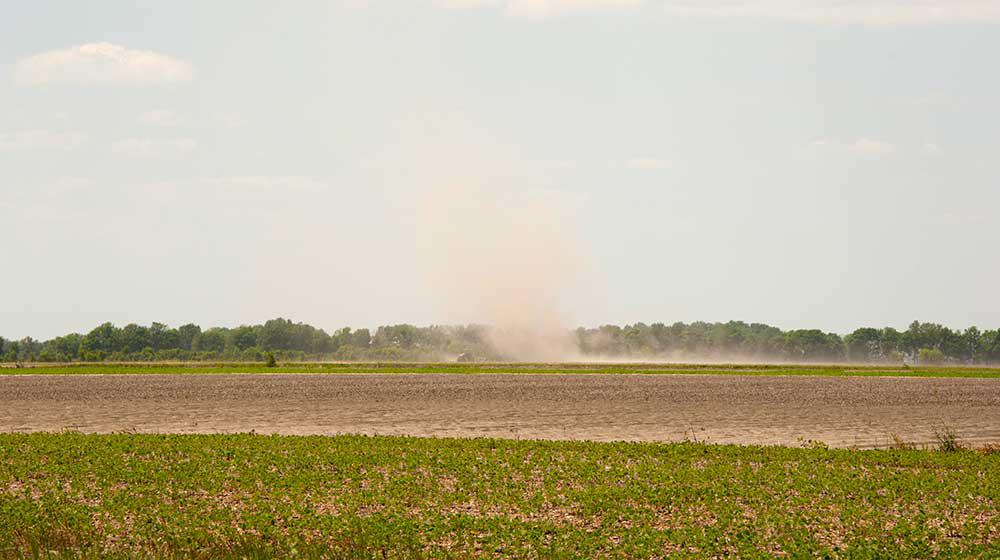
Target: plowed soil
column 839, row 411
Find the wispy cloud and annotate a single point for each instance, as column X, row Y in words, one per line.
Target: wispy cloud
column 868, row 12
column 541, row 9
column 41, row 139
column 152, row 148
column 101, row 64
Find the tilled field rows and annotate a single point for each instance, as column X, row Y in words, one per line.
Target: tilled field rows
column 839, row 411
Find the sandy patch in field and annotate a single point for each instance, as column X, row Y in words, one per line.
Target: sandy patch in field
column 858, row 411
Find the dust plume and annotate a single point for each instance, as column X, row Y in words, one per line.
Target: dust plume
column 504, row 259
column 500, row 249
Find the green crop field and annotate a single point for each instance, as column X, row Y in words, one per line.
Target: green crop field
column 462, row 368
column 218, row 496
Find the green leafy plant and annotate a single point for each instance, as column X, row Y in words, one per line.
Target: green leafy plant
column 230, row 496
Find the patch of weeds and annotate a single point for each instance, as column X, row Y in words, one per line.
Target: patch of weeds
column 947, row 440
column 990, row 449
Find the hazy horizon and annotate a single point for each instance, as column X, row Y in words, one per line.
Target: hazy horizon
column 561, row 163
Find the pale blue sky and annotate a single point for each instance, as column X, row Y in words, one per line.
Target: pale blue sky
column 805, row 164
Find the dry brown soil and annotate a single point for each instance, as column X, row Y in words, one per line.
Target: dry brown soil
column 840, row 411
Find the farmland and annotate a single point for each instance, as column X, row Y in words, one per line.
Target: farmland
column 245, row 495
column 514, row 460
column 843, row 411
column 781, row 369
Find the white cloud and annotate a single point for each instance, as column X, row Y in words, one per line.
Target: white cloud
column 862, row 147
column 869, row 12
column 151, row 148
column 646, row 162
column 42, row 140
column 159, row 117
column 101, row 64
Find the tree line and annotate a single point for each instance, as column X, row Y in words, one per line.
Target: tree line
column 927, row 343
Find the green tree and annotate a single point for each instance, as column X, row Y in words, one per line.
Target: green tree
column 276, row 334
column 864, row 345
column 68, row 347
column 242, row 337
column 930, row 356
column 103, row 340
column 212, row 340
column 134, row 338
column 186, row 336
column 162, row 337
column 361, row 338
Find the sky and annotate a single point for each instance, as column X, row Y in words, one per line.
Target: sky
column 806, row 164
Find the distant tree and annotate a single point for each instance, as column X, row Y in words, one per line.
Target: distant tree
column 347, row 353
column 890, row 342
column 864, row 345
column 186, row 335
column 66, row 348
column 989, row 346
column 320, row 342
column 103, row 340
column 288, row 340
column 930, row 356
column 212, row 340
column 814, row 345
column 242, row 337
column 133, row 338
column 361, row 338
column 162, row 337
column 399, row 336
column 276, row 334
column 969, row 345
column 634, row 339
column 10, row 351
column 28, row 349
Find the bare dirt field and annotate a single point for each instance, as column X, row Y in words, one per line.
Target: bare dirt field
column 839, row 411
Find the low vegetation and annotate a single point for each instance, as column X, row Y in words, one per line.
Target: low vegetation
column 480, row 368
column 213, row 496
column 921, row 343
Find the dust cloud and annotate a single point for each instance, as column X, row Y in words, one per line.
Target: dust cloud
column 500, row 248
column 504, row 258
